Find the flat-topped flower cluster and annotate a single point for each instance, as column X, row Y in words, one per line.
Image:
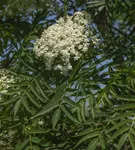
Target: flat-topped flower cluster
column 5, row 78
column 64, row 41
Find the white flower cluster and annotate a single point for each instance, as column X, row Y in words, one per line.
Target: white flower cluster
column 5, row 78
column 64, row 41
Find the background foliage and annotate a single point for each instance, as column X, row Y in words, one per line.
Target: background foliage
column 91, row 108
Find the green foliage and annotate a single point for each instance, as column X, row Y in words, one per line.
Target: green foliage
column 93, row 107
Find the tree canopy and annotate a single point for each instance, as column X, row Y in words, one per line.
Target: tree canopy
column 85, row 99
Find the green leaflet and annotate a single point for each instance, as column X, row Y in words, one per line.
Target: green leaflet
column 92, row 105
column 132, row 141
column 56, row 117
column 34, row 147
column 27, row 76
column 40, row 89
column 24, row 83
column 54, row 102
column 90, row 121
column 125, row 106
column 87, row 131
column 16, row 107
column 79, row 114
column 13, row 99
column 93, row 113
column 112, row 91
column 35, row 139
column 25, row 103
column 35, row 92
column 119, row 132
column 130, row 99
column 17, row 145
column 82, row 104
column 93, row 144
column 50, row 106
column 91, row 100
column 16, row 125
column 70, row 102
column 122, row 140
column 28, row 65
column 32, row 37
column 122, row 115
column 32, row 99
column 107, row 99
column 96, row 3
column 69, row 115
column 59, row 93
column 20, row 145
column 77, row 67
column 38, row 131
column 102, row 142
column 88, row 136
column 118, row 125
column 132, row 130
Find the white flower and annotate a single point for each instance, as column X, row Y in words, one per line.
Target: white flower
column 41, row 122
column 69, row 67
column 80, row 46
column 58, row 67
column 5, row 79
column 95, row 40
column 64, row 41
